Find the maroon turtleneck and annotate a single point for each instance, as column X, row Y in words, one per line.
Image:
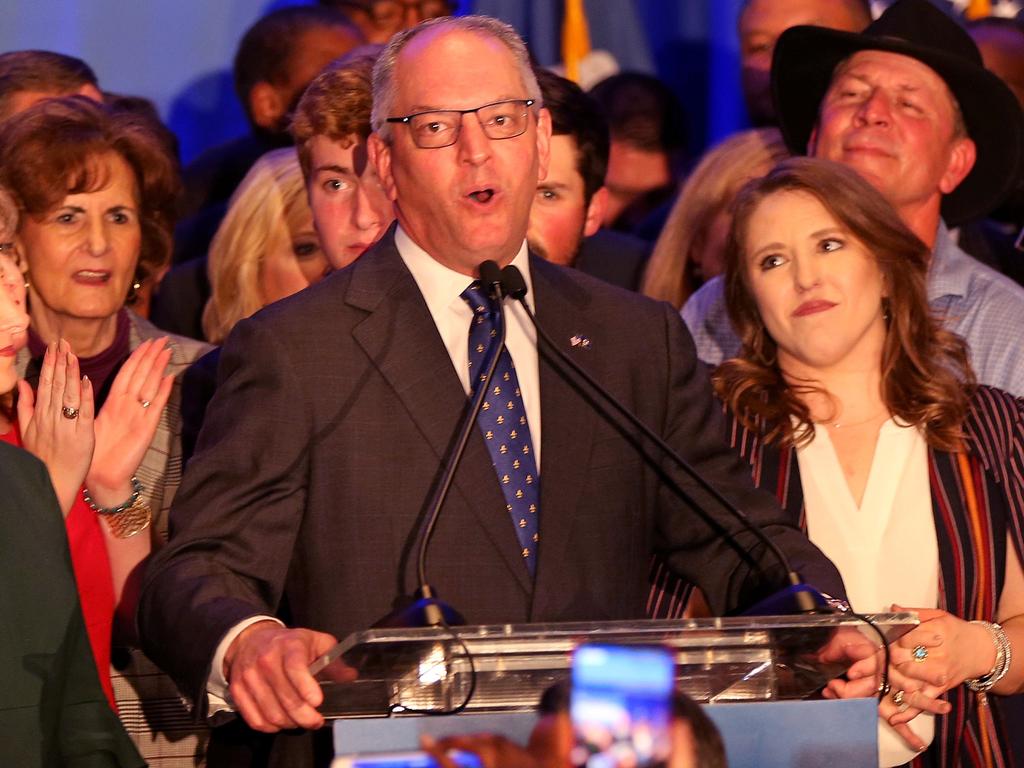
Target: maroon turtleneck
column 100, row 368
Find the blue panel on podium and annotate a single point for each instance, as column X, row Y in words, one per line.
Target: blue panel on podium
column 799, row 734
column 385, row 734
column 781, row 734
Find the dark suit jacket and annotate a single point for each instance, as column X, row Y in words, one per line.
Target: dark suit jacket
column 210, row 180
column 53, row 711
column 180, row 299
column 615, row 257
column 332, row 414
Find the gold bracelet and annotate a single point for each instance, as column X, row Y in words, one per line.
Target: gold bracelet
column 131, row 521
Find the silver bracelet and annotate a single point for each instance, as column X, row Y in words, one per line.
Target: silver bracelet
column 136, row 493
column 1004, row 655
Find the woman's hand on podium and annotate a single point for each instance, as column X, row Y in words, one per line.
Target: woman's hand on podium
column 904, row 699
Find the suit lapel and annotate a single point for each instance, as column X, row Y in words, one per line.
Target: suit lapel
column 400, row 338
column 567, row 423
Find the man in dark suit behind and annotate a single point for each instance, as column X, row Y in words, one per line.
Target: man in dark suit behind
column 335, row 408
column 565, row 219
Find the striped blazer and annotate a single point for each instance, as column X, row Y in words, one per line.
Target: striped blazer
column 148, row 701
column 977, row 500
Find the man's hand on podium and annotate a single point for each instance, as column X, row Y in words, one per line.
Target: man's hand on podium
column 863, row 680
column 267, row 669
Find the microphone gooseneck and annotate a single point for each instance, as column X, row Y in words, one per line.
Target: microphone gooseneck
column 806, row 599
column 490, row 279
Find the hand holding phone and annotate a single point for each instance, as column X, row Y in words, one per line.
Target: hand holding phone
column 621, row 706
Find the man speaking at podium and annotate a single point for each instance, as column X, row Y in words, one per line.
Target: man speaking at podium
column 297, row 520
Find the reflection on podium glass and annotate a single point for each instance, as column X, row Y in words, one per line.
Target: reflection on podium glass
column 507, row 667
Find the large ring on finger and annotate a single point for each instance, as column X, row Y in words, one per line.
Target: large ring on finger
column 69, row 413
column 920, row 653
column 899, row 698
column 144, row 403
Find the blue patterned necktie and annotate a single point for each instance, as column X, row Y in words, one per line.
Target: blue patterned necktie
column 502, row 422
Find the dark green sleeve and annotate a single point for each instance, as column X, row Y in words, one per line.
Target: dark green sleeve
column 52, row 708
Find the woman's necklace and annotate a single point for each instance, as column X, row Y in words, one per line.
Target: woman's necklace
column 861, row 422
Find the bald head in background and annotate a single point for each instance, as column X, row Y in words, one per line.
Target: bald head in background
column 760, row 24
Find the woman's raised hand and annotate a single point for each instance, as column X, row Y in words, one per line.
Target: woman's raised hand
column 128, row 420
column 57, row 422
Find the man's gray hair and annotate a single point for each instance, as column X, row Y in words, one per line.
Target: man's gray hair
column 384, row 71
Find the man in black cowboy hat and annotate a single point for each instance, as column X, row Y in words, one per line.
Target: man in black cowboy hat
column 908, row 104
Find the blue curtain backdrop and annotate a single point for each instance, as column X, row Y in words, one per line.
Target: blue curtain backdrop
column 178, row 52
column 691, row 45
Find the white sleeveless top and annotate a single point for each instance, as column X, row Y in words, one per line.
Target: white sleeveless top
column 886, row 548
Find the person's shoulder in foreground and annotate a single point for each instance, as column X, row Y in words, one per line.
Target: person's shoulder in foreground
column 53, row 711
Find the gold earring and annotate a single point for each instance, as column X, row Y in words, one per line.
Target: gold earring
column 133, row 292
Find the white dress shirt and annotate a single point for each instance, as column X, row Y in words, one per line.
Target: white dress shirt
column 441, row 288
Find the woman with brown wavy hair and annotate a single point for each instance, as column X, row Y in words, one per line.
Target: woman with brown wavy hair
column 852, row 403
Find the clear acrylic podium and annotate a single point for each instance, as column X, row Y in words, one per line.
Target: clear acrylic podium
column 508, row 667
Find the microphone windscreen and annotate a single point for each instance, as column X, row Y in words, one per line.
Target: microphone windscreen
column 512, row 279
column 490, row 277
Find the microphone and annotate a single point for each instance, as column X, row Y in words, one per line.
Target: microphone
column 797, row 597
column 427, row 610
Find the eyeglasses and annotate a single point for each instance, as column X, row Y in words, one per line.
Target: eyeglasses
column 390, row 14
column 441, row 128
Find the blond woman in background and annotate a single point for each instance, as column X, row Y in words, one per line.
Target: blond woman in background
column 266, row 247
column 691, row 247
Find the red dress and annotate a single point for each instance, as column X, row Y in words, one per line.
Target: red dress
column 92, row 574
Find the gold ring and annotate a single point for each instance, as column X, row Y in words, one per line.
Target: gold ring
column 69, row 413
column 920, row 653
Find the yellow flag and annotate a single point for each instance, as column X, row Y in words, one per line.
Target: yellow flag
column 575, row 38
column 978, row 9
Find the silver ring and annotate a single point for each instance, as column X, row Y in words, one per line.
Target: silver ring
column 69, row 412
column 920, row 653
column 144, row 403
column 899, row 698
